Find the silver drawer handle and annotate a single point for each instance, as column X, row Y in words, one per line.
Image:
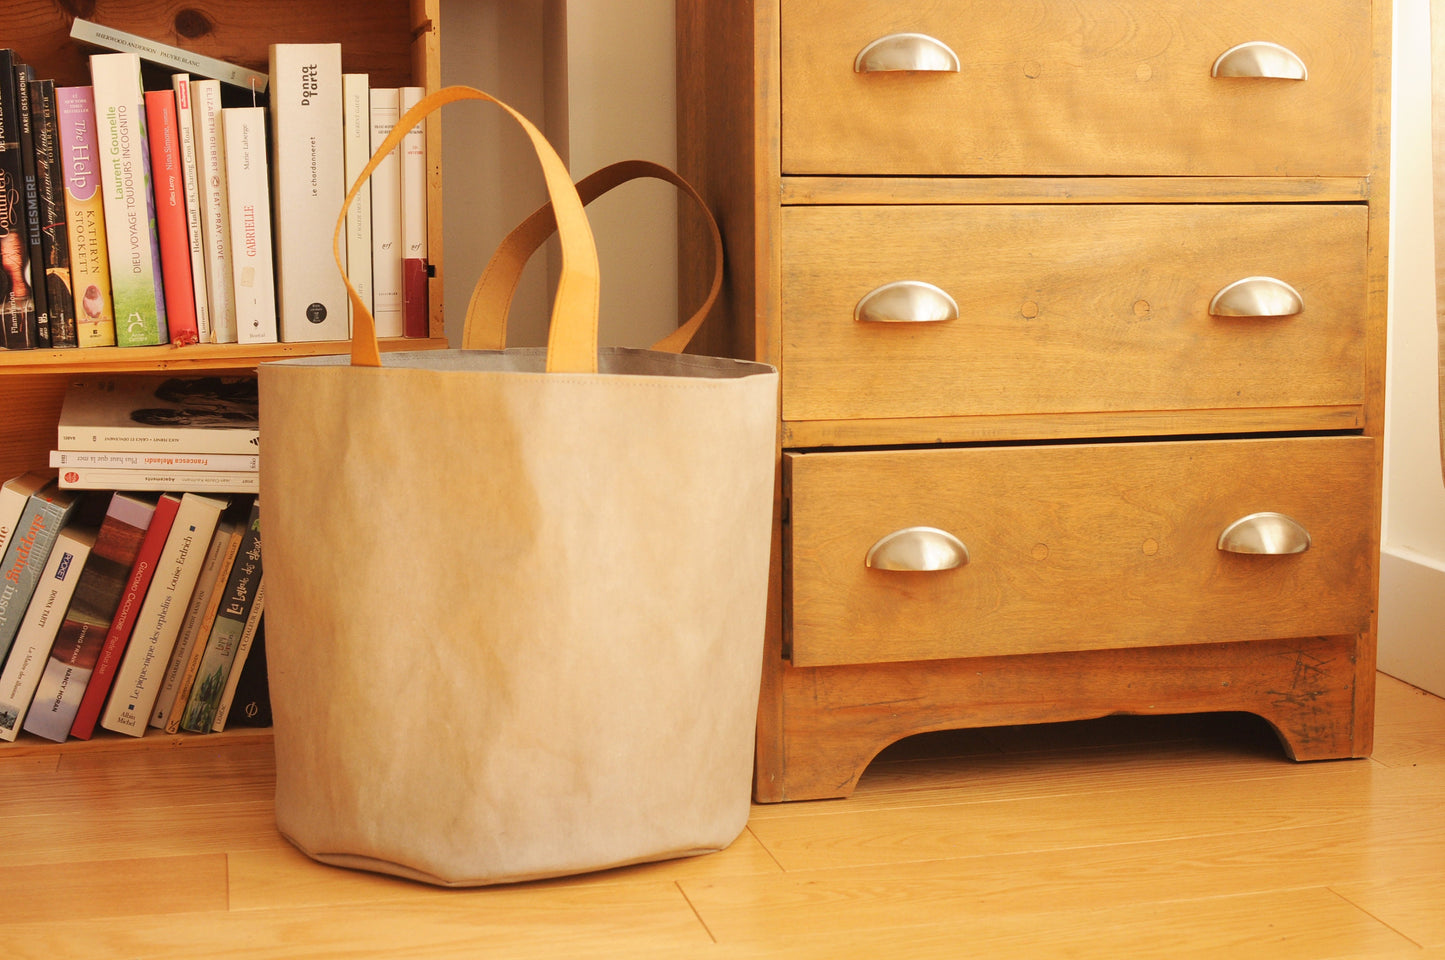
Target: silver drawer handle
column 1257, row 297
column 1260, row 58
column 917, row 549
column 906, row 51
column 906, row 301
column 1273, row 534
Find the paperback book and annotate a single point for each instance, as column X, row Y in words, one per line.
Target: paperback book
column 135, row 270
column 190, row 179
column 18, row 324
column 386, row 267
column 45, row 514
column 225, row 636
column 196, row 481
column 215, row 219
column 356, row 110
column 413, row 221
column 161, row 415
column 172, row 231
column 85, row 217
column 15, row 493
column 248, row 199
column 172, row 58
column 54, row 231
column 30, row 200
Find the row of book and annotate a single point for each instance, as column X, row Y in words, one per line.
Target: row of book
column 163, row 215
column 129, row 611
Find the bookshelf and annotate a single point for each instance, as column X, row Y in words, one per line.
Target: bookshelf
column 397, row 42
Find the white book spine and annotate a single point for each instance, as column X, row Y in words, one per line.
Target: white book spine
column 186, row 639
column 142, row 668
column 178, row 462
column 309, row 170
column 215, row 219
column 356, row 110
column 43, row 616
column 386, row 259
column 413, row 181
column 190, row 179
column 136, row 290
column 248, row 197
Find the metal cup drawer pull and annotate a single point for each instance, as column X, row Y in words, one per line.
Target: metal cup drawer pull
column 900, row 52
column 1271, row 534
column 917, row 550
column 1260, row 58
column 906, row 301
column 1257, row 297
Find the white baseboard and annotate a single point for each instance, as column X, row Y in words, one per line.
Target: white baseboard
column 1412, row 619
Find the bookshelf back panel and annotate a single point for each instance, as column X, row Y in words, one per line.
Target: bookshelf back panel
column 376, row 35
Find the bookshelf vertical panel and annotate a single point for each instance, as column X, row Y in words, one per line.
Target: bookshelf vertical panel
column 29, row 410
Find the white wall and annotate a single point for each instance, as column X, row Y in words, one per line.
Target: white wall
column 1412, row 574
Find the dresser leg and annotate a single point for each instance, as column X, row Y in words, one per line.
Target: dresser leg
column 820, row 727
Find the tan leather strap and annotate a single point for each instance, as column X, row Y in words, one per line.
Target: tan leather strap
column 572, row 338
column 486, row 325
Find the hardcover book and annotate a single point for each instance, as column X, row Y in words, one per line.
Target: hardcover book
column 209, row 583
column 386, row 271
column 160, row 415
column 54, row 230
column 190, row 179
column 309, row 172
column 172, row 58
column 37, row 633
column 141, row 671
column 163, row 130
column 85, row 216
column 248, row 199
column 135, row 271
column 215, row 219
column 413, row 222
column 45, row 513
column 356, row 107
column 82, row 633
column 18, row 326
column 225, row 635
column 30, row 200
column 122, row 624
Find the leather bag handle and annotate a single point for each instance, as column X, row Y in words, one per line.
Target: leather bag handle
column 572, row 334
column 486, row 325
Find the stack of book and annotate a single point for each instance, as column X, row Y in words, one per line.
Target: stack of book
column 157, row 433
column 128, row 611
column 160, row 228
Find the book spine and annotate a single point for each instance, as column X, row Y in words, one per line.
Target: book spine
column 170, row 206
column 97, row 596
column 386, row 260
column 40, row 524
column 180, row 463
column 309, row 171
column 415, row 322
column 206, row 588
column 18, row 324
column 212, row 481
column 22, row 672
column 136, row 286
column 190, row 178
column 24, row 83
column 123, row 623
column 172, row 58
column 85, row 217
column 141, row 671
column 243, row 650
column 356, row 107
column 14, row 495
column 215, row 218
column 230, row 623
column 54, row 229
column 248, row 198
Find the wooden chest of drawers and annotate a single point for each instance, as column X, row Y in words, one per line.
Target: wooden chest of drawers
column 1079, row 310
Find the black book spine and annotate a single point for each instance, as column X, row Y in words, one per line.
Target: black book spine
column 54, row 233
column 17, row 301
column 24, row 79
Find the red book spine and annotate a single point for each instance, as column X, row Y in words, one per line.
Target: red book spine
column 124, row 621
column 414, row 298
column 171, row 227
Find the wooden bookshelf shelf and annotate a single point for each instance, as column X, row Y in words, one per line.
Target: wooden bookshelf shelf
column 202, row 357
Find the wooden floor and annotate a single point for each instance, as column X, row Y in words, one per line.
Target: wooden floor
column 1118, row 838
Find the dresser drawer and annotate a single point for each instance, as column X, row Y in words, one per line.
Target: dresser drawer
column 1094, row 87
column 1069, row 308
column 1074, row 547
